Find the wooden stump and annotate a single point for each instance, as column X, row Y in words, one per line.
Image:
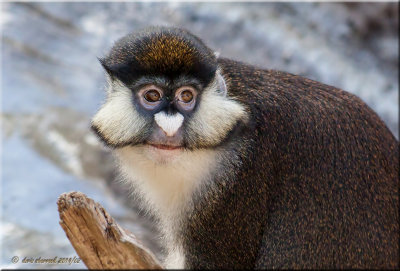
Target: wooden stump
column 98, row 240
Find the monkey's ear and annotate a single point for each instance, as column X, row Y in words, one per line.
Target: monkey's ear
column 117, row 71
column 221, row 84
column 105, row 66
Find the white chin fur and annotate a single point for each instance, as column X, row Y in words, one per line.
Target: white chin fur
column 161, row 156
column 165, row 179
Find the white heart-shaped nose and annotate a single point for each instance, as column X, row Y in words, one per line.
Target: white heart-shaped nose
column 170, row 124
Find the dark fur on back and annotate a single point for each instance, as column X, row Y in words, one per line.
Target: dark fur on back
column 318, row 186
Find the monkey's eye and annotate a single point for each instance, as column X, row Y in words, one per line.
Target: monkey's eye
column 186, row 97
column 152, row 95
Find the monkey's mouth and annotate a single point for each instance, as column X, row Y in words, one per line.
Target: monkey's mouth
column 166, row 147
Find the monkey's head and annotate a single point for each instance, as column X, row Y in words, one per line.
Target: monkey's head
column 165, row 93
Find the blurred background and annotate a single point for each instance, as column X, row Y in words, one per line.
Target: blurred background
column 52, row 84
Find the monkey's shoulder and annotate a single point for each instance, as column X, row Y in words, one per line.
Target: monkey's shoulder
column 298, row 103
column 285, row 90
column 264, row 81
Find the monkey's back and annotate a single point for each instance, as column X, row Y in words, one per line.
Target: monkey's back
column 318, row 186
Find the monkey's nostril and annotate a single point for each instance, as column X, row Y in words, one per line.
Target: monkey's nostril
column 164, row 132
column 160, row 137
column 168, row 133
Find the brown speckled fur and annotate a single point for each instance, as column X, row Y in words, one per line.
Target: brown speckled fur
column 318, row 187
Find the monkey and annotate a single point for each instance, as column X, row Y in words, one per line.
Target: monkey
column 244, row 167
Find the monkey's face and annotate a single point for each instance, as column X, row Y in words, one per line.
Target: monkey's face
column 165, row 96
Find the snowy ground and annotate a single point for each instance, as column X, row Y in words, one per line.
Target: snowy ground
column 52, row 84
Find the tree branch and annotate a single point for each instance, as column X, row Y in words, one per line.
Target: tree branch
column 98, row 240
